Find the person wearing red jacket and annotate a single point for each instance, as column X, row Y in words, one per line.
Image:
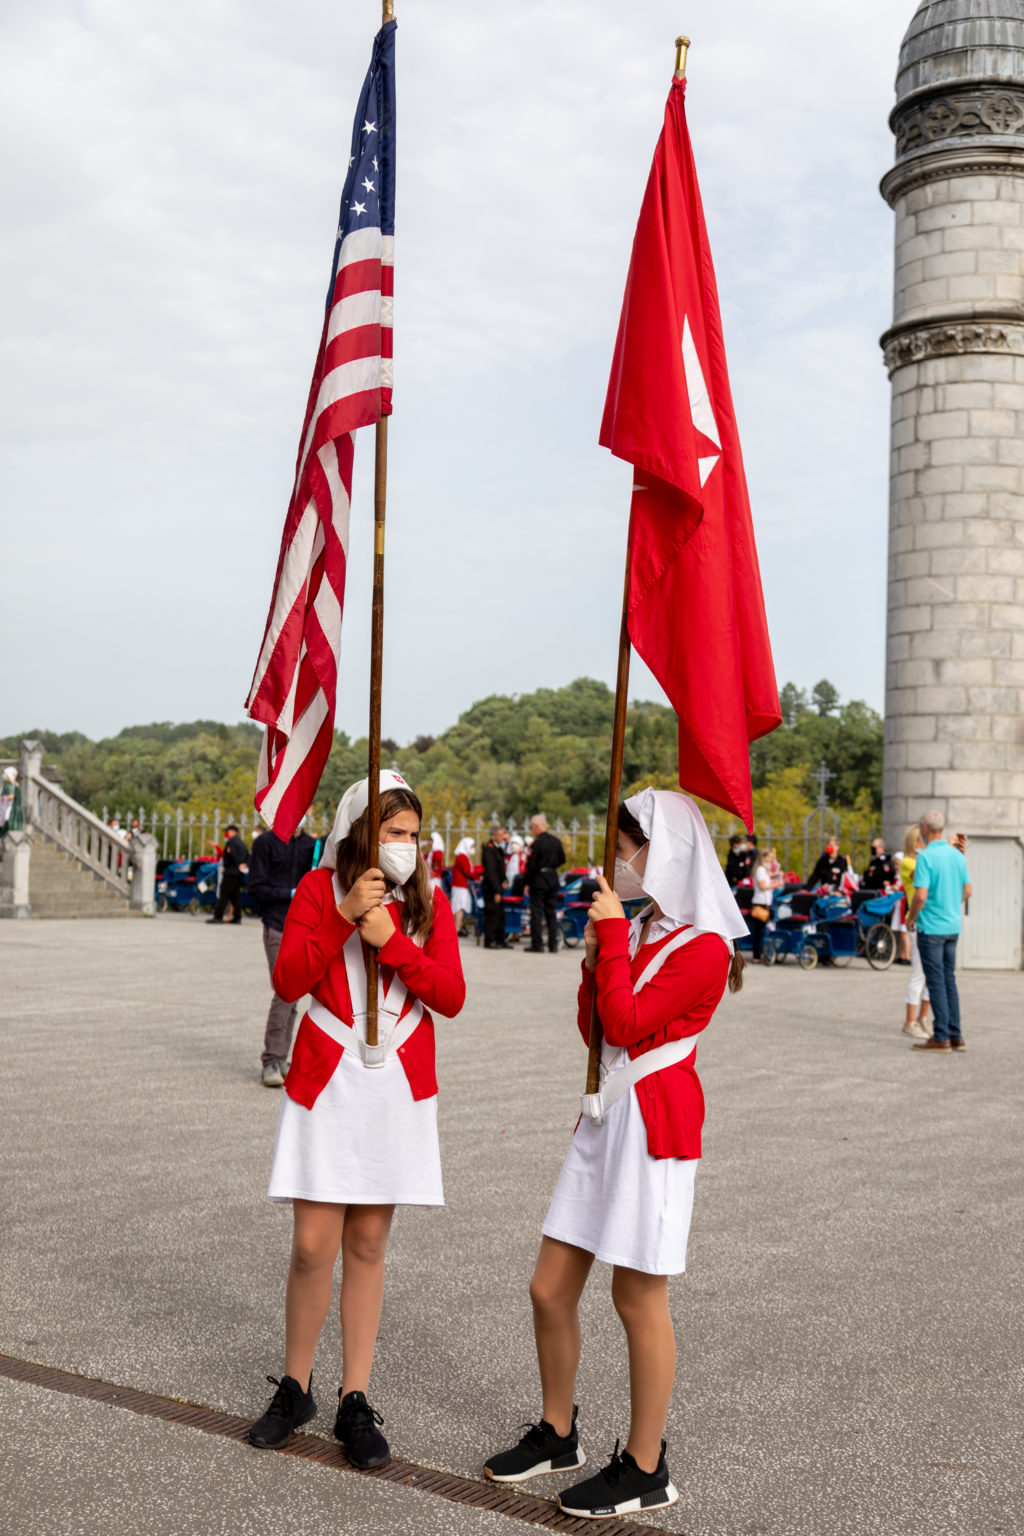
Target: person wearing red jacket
column 435, row 861
column 357, row 1133
column 462, row 880
column 625, row 1193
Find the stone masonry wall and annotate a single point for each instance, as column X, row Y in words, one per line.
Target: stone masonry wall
column 955, row 639
column 955, row 648
column 959, row 242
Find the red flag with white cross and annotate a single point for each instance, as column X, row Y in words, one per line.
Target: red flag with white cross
column 695, row 606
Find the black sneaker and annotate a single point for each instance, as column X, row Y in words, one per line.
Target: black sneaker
column 620, row 1488
column 540, row 1450
column 289, row 1408
column 356, row 1428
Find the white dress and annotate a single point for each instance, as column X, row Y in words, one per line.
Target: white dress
column 613, row 1198
column 366, row 1141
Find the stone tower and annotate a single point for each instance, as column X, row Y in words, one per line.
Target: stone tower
column 954, row 726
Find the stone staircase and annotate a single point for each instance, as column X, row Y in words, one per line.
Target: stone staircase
column 60, row 887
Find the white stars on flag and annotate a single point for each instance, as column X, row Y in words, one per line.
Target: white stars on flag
column 701, row 411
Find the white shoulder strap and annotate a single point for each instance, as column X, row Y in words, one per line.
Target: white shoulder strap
column 392, row 1033
column 595, row 1105
column 678, row 939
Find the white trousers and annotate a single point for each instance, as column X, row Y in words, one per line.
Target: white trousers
column 917, row 987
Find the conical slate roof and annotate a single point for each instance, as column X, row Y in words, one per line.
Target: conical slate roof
column 960, row 40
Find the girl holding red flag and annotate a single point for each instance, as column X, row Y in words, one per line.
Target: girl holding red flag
column 357, row 1133
column 625, row 1193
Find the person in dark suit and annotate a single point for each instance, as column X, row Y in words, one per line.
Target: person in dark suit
column 492, row 886
column 740, row 859
column 541, row 880
column 830, row 868
column 277, row 868
column 236, row 862
column 881, row 872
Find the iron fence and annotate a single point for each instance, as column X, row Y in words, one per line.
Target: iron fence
column 181, row 836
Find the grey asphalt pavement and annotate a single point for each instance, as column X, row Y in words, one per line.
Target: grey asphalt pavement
column 849, row 1326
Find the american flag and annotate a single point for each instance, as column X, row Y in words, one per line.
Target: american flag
column 294, row 687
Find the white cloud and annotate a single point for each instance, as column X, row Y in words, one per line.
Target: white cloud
column 170, row 178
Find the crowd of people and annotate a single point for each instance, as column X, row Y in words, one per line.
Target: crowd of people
column 932, row 883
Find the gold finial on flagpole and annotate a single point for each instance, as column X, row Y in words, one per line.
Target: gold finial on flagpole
column 387, row 11
column 682, row 44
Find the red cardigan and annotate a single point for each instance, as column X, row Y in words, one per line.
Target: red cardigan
column 310, row 960
column 462, row 872
column 678, row 1001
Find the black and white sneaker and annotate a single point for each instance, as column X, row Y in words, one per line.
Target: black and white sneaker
column 289, row 1408
column 356, row 1428
column 620, row 1488
column 540, row 1450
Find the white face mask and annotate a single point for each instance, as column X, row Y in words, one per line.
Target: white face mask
column 397, row 861
column 627, row 882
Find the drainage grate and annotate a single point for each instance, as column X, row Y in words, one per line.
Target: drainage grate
column 495, row 1497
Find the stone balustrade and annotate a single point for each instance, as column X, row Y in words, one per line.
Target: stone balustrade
column 127, row 866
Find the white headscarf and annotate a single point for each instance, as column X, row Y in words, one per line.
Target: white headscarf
column 436, row 843
column 683, row 874
column 468, row 847
column 353, row 803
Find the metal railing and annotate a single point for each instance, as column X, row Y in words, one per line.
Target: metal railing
column 181, row 836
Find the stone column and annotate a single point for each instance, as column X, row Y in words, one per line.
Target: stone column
column 30, row 770
column 142, row 851
column 955, row 638
column 14, row 874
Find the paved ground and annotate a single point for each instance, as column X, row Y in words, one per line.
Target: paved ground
column 849, row 1329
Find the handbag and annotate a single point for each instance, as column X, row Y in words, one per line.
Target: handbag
column 760, row 914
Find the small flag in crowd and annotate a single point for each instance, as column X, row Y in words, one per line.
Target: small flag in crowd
column 294, row 688
column 695, row 608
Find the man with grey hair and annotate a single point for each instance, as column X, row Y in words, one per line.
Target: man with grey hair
column 541, row 880
column 941, row 886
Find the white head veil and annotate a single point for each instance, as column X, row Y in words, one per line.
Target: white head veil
column 436, row 843
column 353, row 803
column 468, row 847
column 683, row 874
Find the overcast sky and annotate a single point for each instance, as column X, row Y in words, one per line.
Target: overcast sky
column 169, row 183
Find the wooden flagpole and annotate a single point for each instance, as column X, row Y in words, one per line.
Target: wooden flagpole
column 619, row 738
column 611, row 825
column 380, row 498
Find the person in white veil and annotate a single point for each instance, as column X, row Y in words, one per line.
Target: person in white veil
column 462, row 877
column 435, row 861
column 515, row 861
column 625, row 1193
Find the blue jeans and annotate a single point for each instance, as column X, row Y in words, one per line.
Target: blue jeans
column 938, row 960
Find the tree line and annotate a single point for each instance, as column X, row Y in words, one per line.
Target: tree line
column 509, row 755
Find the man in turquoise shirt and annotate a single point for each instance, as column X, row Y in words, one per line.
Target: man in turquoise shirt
column 941, row 886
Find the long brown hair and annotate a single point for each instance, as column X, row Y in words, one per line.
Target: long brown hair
column 355, row 857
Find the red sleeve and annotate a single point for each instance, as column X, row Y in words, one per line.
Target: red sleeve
column 585, row 1004
column 314, row 934
column 690, row 980
column 433, row 973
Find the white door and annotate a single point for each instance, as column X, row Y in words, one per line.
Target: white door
column 992, row 928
